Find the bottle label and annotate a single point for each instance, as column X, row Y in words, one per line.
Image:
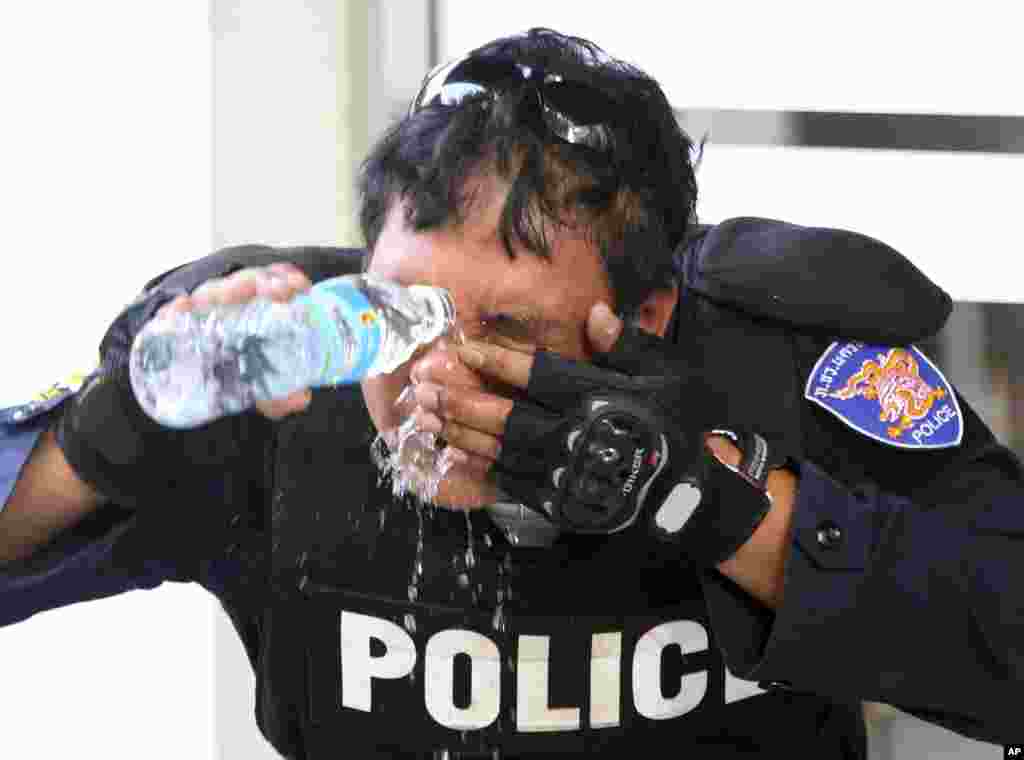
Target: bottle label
column 331, row 307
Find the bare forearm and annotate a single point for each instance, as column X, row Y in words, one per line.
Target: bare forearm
column 47, row 499
column 759, row 566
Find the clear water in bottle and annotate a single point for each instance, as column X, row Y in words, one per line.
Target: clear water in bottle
column 193, row 368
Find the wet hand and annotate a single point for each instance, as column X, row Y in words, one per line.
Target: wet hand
column 278, row 282
column 518, row 434
column 441, row 384
column 474, row 419
column 472, row 416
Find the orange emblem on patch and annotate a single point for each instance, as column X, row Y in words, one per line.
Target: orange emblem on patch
column 368, row 318
column 894, row 380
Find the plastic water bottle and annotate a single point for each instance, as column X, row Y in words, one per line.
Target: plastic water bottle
column 193, row 368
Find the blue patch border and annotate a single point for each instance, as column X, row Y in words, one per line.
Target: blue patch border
column 888, row 442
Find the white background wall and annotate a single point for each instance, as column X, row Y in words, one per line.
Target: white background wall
column 874, row 56
column 105, row 158
column 275, row 121
column 955, row 216
column 146, row 135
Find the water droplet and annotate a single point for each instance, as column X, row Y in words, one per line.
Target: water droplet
column 463, row 580
column 409, row 622
column 498, row 620
column 488, row 540
column 470, row 554
column 414, row 592
column 417, row 564
column 410, row 457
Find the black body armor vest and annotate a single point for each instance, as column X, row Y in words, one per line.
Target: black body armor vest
column 387, row 628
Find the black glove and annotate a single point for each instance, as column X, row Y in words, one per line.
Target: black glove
column 603, row 447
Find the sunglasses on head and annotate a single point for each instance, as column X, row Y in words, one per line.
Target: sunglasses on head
column 574, row 112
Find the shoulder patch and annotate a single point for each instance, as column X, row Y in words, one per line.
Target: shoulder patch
column 45, row 400
column 892, row 394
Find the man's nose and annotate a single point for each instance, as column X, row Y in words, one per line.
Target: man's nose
column 441, row 365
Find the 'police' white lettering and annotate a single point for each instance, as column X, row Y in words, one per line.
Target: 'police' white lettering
column 650, row 702
column 484, row 683
column 358, row 668
column 532, row 710
column 605, row 679
column 930, row 426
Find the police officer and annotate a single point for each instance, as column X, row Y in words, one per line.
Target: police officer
column 707, row 496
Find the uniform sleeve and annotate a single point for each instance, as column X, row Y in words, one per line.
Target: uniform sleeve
column 195, row 540
column 73, row 567
column 912, row 604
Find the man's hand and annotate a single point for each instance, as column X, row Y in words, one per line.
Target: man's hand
column 597, row 446
column 112, row 443
column 277, row 282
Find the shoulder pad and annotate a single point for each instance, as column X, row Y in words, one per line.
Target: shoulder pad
column 829, row 280
column 318, row 263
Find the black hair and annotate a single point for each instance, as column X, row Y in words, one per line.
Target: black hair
column 636, row 202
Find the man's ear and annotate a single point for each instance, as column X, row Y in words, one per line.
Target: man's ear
column 655, row 313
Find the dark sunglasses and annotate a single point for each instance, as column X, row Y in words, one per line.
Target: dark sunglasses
column 572, row 111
